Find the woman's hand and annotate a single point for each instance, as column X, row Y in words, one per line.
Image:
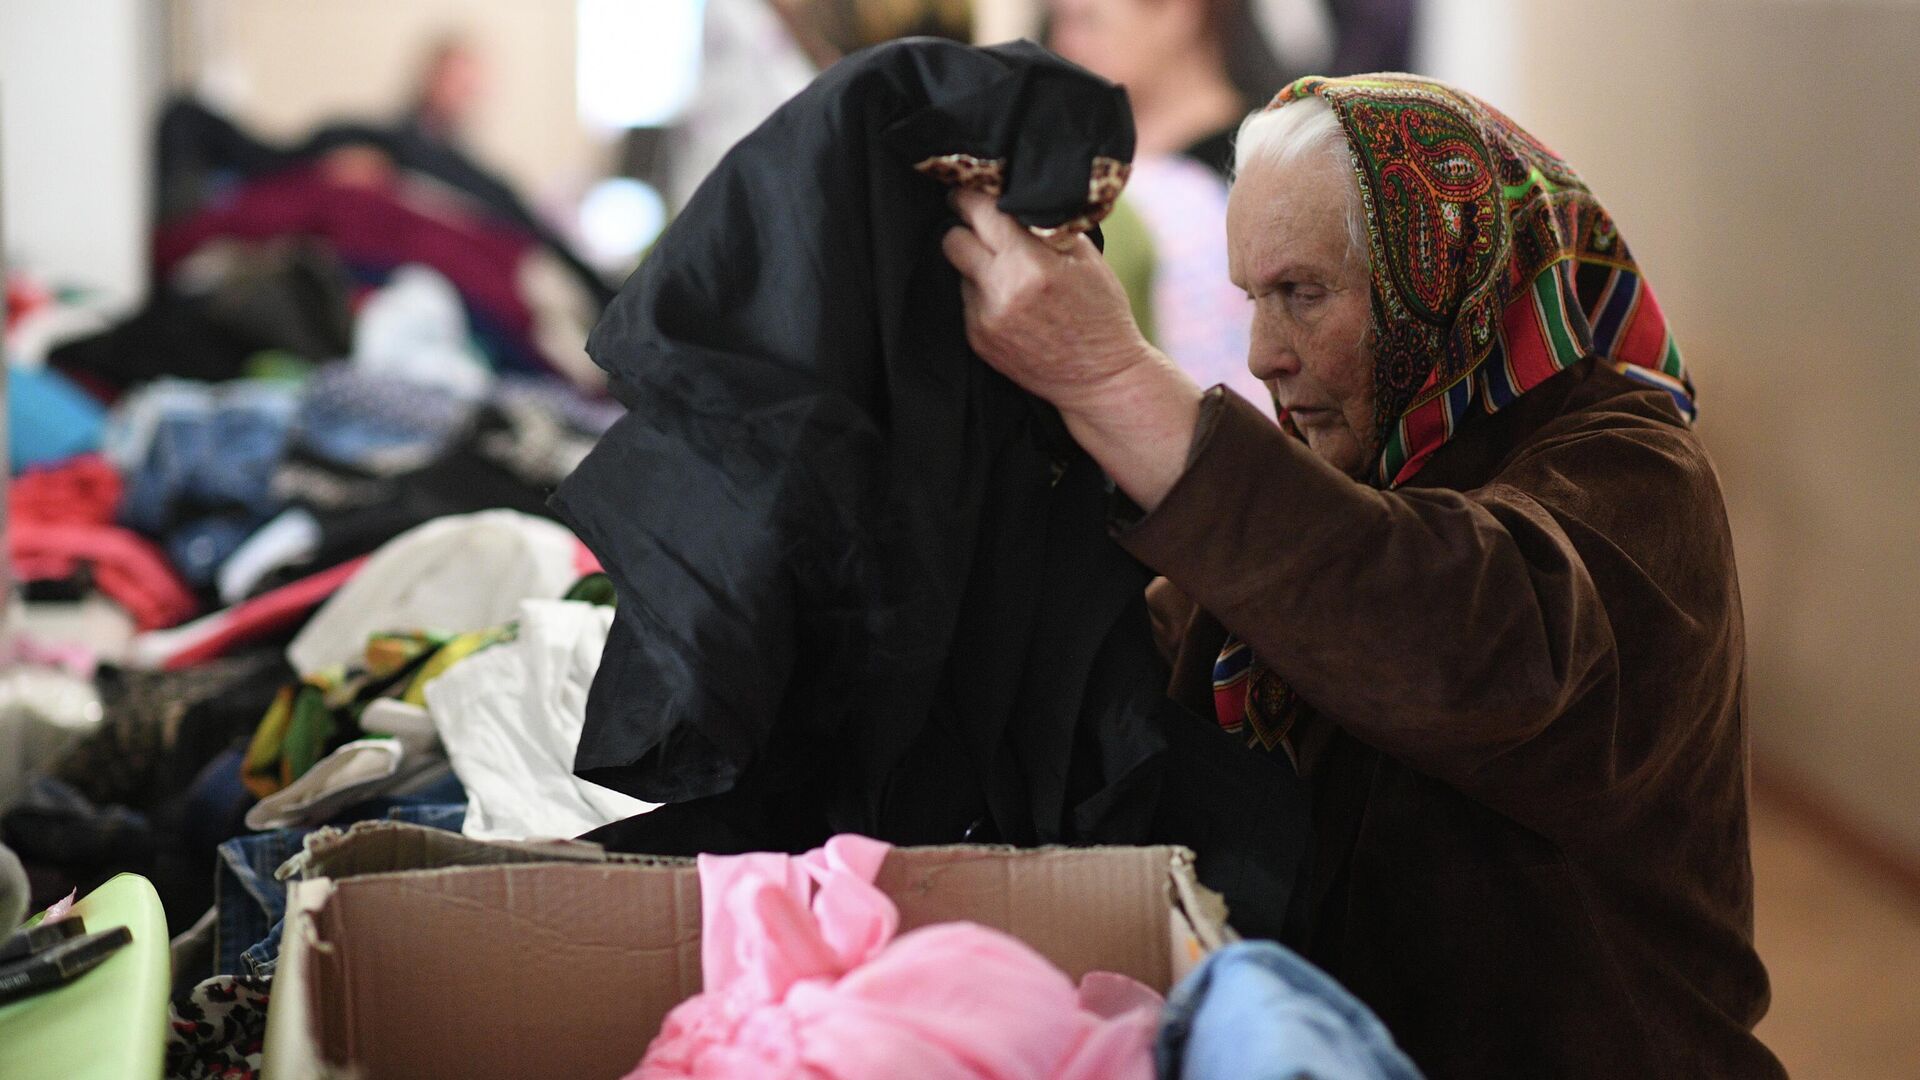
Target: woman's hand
column 1056, row 322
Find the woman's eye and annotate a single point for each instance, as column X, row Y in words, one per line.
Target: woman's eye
column 1306, row 294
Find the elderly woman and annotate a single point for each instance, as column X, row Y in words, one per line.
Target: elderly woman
column 1478, row 587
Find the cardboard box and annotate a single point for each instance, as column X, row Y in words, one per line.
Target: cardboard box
column 414, row 953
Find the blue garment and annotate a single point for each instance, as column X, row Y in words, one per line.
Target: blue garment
column 1257, row 1011
column 252, row 903
column 376, row 423
column 198, row 548
column 189, row 450
column 49, row 419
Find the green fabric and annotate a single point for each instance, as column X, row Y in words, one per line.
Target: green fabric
column 1129, row 250
column 593, row 589
column 278, row 365
column 314, row 717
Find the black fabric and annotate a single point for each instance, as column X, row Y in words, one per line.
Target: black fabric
column 292, row 296
column 865, row 582
column 357, row 513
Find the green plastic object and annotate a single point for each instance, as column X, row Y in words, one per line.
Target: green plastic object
column 111, row 1023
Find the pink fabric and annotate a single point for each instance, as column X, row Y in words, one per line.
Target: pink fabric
column 806, row 980
column 1201, row 319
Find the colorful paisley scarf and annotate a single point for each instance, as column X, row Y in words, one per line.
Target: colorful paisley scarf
column 1494, row 268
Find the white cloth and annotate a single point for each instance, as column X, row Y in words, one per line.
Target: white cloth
column 415, row 328
column 510, row 716
column 455, row 574
column 351, row 774
column 292, row 537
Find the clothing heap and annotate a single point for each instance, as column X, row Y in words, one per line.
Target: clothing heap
column 282, row 540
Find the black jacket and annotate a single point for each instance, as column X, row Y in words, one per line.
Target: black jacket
column 865, row 582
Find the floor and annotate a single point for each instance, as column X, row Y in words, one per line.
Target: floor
column 1843, row 947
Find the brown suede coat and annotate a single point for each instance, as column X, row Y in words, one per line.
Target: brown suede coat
column 1528, row 769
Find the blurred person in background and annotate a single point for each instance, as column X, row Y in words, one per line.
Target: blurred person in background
column 453, row 84
column 1172, row 57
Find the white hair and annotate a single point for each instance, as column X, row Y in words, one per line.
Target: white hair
column 1294, row 130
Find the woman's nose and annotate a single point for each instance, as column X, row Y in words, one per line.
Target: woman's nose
column 1271, row 356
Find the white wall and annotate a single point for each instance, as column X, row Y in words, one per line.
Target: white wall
column 280, row 67
column 78, row 88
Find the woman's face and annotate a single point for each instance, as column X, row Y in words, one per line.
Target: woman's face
column 1120, row 40
column 1287, row 247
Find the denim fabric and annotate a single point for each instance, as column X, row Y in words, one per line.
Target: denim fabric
column 249, row 431
column 179, row 439
column 1256, row 1011
column 252, row 903
column 187, row 448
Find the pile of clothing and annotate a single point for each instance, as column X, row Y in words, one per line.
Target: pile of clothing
column 281, row 539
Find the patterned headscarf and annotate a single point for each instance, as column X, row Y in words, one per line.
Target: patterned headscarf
column 1493, row 267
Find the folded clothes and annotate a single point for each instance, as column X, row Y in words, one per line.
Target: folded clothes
column 61, row 526
column 188, row 449
column 805, row 979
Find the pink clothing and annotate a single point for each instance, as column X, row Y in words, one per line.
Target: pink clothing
column 806, row 980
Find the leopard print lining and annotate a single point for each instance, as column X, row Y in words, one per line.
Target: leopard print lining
column 1103, row 188
column 1104, row 184
column 967, row 171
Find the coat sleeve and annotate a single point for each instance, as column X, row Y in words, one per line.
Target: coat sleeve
column 1453, row 630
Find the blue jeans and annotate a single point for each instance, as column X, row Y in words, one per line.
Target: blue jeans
column 252, row 903
column 1257, row 1011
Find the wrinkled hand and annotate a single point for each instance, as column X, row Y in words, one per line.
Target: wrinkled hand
column 1055, row 321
